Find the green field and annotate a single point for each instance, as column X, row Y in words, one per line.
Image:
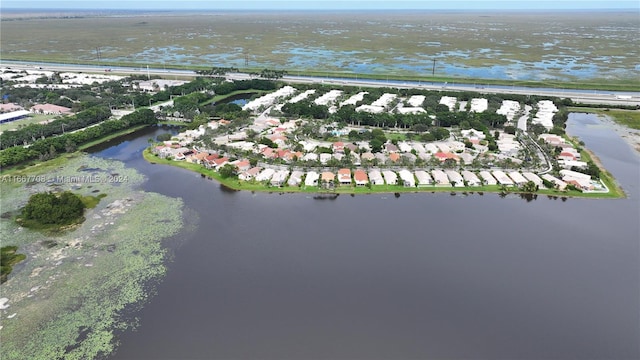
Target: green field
column 31, row 119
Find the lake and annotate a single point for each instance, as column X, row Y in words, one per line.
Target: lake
column 420, row 276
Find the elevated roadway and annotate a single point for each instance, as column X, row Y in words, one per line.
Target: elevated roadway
column 596, row 97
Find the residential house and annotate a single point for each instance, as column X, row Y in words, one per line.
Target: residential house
column 390, row 177
column 502, row 178
column 279, row 178
column 533, row 177
column 455, row 178
column 360, row 177
column 407, row 178
column 487, row 178
column 296, row 178
column 311, row 179
column 517, row 178
column 561, row 185
column 375, row 177
column 470, row 178
column 440, row 178
column 250, row 174
column 265, row 175
column 344, row 176
column 242, row 165
column 327, row 179
column 424, row 179
column 443, row 156
column 50, row 109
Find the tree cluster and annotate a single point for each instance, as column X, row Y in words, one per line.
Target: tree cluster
column 53, row 209
column 258, row 84
column 33, row 132
column 49, row 147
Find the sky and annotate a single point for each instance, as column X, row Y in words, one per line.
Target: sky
column 323, row 5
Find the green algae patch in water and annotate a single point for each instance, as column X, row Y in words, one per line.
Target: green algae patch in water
column 74, row 291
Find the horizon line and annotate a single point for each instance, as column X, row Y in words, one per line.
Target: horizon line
column 325, row 9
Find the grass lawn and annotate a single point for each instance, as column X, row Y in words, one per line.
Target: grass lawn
column 31, row 119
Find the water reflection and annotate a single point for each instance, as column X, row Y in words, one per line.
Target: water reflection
column 423, row 276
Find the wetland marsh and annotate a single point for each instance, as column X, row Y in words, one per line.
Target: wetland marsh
column 539, row 46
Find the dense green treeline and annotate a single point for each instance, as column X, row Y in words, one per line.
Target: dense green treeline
column 31, row 133
column 49, row 147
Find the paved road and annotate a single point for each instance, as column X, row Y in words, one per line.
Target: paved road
column 589, row 97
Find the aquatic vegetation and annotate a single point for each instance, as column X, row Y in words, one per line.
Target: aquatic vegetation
column 73, row 292
column 8, row 259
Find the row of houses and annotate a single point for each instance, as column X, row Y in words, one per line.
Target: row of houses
column 407, row 178
column 568, row 157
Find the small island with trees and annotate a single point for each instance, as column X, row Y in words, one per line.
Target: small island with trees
column 53, row 212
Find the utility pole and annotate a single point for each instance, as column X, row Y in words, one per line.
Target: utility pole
column 433, row 70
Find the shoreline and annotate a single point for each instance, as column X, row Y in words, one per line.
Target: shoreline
column 234, row 184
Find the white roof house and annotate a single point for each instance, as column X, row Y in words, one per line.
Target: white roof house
column 440, row 178
column 546, row 111
column 568, row 164
column 509, row 108
column 324, row 158
column 418, row 147
column 279, row 177
column 470, row 178
column 296, row 178
column 410, row 110
column 449, row 101
column 375, row 177
column 310, row 157
column 423, row 177
column 328, row 98
column 311, row 179
column 384, row 100
column 487, row 178
column 472, row 134
column 502, row 178
column 455, row 178
column 390, row 177
column 574, row 175
column 269, row 99
column 407, row 178
column 265, row 175
column 404, row 147
column 532, row 177
column 302, row 96
column 431, row 148
column 416, row 100
column 517, row 178
column 370, row 109
column 561, row 185
column 354, row 99
column 479, row 105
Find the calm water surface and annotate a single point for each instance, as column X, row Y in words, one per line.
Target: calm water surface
column 422, row 276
